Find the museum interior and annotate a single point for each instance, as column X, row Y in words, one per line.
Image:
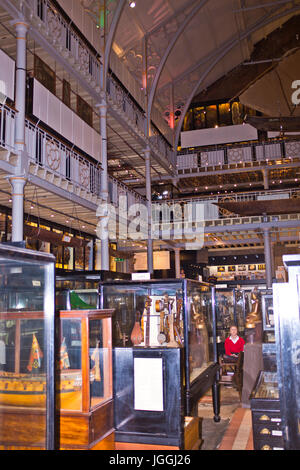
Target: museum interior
column 150, row 225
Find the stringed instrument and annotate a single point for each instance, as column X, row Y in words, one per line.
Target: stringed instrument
column 172, row 342
column 137, row 332
column 148, row 304
column 159, row 308
column 177, row 325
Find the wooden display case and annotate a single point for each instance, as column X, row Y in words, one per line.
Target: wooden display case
column 85, row 401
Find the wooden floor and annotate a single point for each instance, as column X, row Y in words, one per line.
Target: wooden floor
column 234, row 432
column 238, row 435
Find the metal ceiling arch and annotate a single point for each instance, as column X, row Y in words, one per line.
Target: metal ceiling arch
column 111, row 35
column 171, row 45
column 262, row 23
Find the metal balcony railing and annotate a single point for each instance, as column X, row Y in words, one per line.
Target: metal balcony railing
column 7, row 127
column 67, row 41
column 51, row 155
column 233, row 156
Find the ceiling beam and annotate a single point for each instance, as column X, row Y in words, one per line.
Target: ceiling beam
column 163, row 61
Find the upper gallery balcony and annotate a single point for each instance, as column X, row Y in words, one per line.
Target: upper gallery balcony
column 52, row 160
column 52, row 30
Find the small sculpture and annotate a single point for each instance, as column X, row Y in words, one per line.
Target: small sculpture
column 137, row 332
column 255, row 315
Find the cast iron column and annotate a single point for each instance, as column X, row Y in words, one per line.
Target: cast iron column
column 149, row 208
column 268, row 257
column 177, row 262
column 104, row 185
column 18, row 180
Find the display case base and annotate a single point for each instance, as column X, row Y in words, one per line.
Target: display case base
column 86, row 430
column 192, row 440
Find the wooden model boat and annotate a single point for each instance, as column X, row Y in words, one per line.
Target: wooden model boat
column 29, row 390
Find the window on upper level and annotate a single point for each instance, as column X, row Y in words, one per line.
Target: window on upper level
column 66, row 93
column 85, row 111
column 44, row 74
column 216, row 115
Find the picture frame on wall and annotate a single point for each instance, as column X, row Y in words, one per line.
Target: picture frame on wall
column 221, row 269
column 261, row 267
column 231, row 269
column 242, row 267
column 252, row 267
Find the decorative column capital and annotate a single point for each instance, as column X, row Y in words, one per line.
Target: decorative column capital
column 21, row 26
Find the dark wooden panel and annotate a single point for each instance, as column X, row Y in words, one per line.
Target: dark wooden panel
column 74, row 430
column 101, row 421
column 25, row 427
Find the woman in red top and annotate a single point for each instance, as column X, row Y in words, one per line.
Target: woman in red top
column 234, row 344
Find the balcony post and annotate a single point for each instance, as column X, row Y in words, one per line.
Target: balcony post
column 268, row 257
column 18, row 184
column 149, row 208
column 266, row 178
column 177, row 262
column 18, row 181
column 104, row 183
column 21, row 31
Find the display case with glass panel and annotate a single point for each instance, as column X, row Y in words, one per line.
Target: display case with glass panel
column 265, row 409
column 27, row 409
column 157, row 319
column 268, row 318
column 230, row 310
column 268, row 344
column 84, row 373
column 79, row 290
column 286, row 301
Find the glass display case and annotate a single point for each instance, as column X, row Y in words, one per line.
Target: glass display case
column 286, row 303
column 84, row 375
column 76, row 299
column 265, row 410
column 268, row 340
column 160, row 319
column 79, row 290
column 268, row 318
column 230, row 310
column 27, row 408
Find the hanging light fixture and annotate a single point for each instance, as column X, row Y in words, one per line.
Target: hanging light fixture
column 131, row 3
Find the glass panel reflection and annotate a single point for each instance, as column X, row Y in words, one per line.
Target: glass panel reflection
column 100, row 360
column 24, row 319
column 200, row 329
column 70, row 367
